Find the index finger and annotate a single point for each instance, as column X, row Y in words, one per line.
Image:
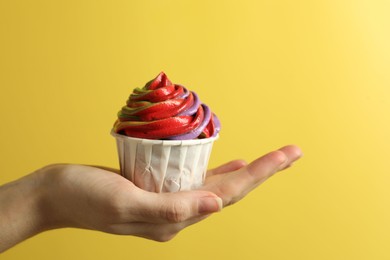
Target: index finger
column 233, row 186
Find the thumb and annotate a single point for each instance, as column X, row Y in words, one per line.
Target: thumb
column 176, row 207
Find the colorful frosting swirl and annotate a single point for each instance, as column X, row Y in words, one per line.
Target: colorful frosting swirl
column 162, row 110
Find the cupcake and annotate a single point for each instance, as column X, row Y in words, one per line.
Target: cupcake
column 164, row 137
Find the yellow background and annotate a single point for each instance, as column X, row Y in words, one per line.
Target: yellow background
column 313, row 73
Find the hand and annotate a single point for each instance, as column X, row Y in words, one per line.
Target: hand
column 234, row 180
column 100, row 199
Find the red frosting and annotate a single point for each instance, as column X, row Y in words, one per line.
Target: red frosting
column 163, row 110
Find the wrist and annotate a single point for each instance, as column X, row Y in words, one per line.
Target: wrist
column 56, row 200
column 47, row 181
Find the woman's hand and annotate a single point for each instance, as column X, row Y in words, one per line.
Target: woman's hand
column 233, row 180
column 100, row 199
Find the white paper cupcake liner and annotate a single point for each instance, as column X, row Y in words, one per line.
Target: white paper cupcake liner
column 164, row 165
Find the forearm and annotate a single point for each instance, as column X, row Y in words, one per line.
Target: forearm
column 20, row 211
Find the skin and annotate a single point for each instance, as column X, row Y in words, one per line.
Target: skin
column 98, row 198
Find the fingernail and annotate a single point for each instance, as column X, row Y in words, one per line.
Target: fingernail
column 209, row 205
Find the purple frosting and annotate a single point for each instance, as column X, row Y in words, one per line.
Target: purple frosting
column 192, row 110
column 197, row 131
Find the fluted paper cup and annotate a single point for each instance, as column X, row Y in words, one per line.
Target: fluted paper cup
column 164, row 165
